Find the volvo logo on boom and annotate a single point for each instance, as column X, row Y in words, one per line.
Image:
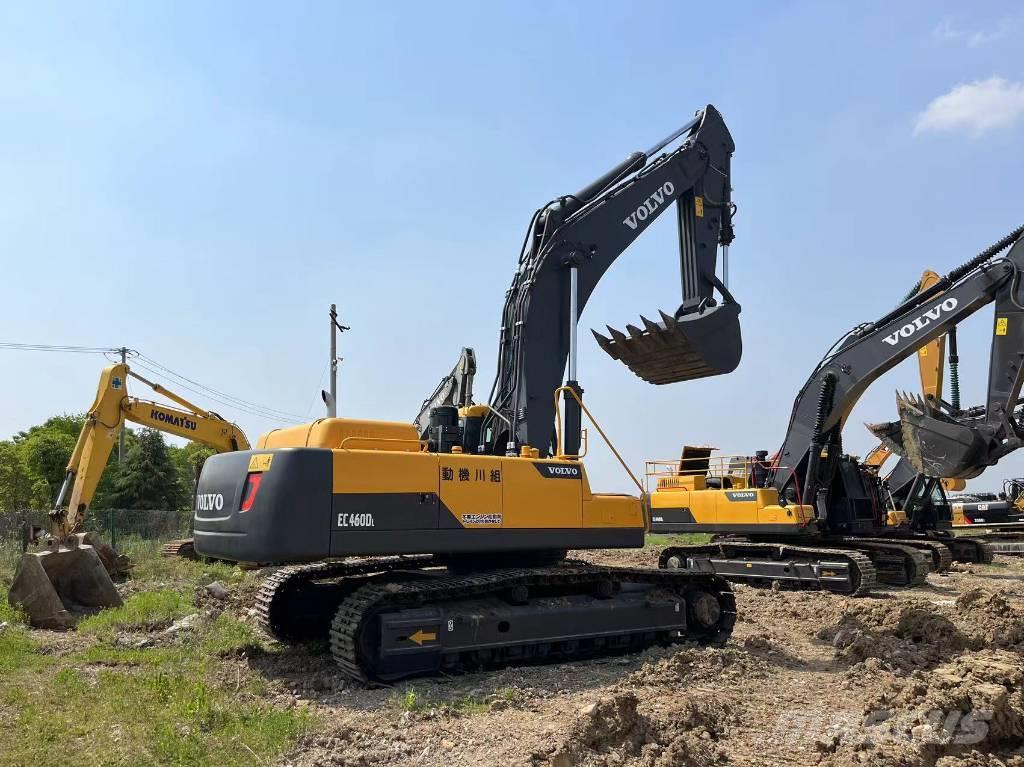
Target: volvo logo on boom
column 650, row 205
column 923, row 321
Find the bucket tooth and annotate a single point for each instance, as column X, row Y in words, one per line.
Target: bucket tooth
column 603, row 342
column 634, row 331
column 618, row 336
column 650, row 327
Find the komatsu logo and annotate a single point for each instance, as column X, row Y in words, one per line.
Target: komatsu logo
column 209, row 502
column 923, row 321
column 172, row 420
column 652, row 204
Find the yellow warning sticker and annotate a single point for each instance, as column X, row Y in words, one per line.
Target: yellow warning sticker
column 260, row 462
column 923, row 351
column 1001, row 326
column 698, row 206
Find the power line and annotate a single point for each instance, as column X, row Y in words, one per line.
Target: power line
column 158, row 369
column 63, row 348
column 221, row 396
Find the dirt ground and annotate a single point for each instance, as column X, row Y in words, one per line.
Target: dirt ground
column 932, row 676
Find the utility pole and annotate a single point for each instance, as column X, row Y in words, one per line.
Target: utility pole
column 331, row 397
column 120, row 438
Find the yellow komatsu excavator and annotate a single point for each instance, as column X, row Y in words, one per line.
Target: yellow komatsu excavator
column 71, row 573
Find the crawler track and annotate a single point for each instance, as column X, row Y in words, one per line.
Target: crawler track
column 840, row 570
column 522, row 615
column 182, row 547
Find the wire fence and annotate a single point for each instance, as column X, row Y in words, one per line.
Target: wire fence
column 116, row 526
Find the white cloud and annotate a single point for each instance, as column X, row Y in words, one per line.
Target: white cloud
column 946, row 31
column 976, row 108
column 979, row 39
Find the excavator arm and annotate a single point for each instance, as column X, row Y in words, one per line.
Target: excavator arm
column 570, row 245
column 455, row 390
column 104, row 421
column 813, row 439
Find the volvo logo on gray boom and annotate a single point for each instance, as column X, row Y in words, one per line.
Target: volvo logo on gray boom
column 923, row 321
column 651, row 205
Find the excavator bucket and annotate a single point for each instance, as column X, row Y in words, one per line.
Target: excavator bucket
column 935, row 444
column 680, row 348
column 58, row 586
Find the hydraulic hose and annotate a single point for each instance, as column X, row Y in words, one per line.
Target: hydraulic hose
column 954, row 372
column 825, row 397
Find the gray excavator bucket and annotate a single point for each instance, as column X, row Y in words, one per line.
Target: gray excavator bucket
column 681, row 348
column 936, row 444
column 58, row 586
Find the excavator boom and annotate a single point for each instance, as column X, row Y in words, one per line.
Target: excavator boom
column 73, row 573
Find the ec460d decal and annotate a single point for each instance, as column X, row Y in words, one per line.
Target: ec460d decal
column 355, row 520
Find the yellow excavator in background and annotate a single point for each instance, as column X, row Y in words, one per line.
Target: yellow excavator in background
column 71, row 574
column 931, row 364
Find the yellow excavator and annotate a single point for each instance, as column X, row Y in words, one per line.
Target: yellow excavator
column 811, row 516
column 931, row 365
column 70, row 573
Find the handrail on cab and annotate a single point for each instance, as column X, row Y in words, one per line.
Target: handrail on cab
column 562, row 456
column 355, row 438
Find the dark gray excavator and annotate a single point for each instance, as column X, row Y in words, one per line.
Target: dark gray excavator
column 573, row 240
column 833, row 531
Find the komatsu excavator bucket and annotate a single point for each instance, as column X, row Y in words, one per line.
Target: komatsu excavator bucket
column 936, row 444
column 57, row 586
column 679, row 348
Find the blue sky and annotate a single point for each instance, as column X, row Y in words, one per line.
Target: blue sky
column 200, row 182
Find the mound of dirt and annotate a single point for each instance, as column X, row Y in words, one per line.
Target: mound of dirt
column 992, row 619
column 904, row 640
column 962, row 712
column 613, row 732
column 698, row 664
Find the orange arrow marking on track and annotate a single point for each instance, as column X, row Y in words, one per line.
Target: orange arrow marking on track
column 422, row 636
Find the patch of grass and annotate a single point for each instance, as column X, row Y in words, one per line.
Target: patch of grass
column 159, row 716
column 659, row 540
column 227, row 635
column 410, row 700
column 152, row 566
column 148, row 609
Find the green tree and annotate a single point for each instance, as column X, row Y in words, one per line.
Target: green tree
column 148, row 479
column 19, row 488
column 188, row 461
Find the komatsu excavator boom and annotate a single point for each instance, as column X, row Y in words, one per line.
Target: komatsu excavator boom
column 72, row 573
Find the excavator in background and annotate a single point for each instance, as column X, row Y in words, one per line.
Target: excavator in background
column 981, row 509
column 992, row 520
column 71, row 573
column 813, row 515
column 460, row 522
column 902, row 482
